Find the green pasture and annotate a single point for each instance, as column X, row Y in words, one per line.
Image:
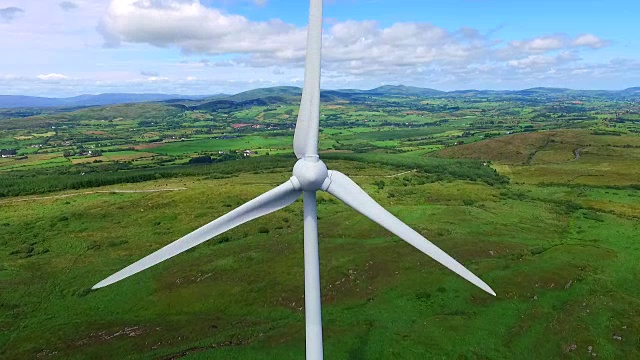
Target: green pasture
column 38, row 164
column 548, row 216
column 241, row 143
column 564, row 274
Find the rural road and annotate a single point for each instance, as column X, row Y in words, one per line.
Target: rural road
column 402, row 173
column 386, row 176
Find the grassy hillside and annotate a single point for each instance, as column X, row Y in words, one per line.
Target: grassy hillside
column 569, row 157
column 147, row 112
column 562, row 260
column 535, row 192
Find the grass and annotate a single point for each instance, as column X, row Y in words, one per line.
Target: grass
column 560, row 157
column 244, row 143
column 555, row 234
column 47, row 180
column 239, row 296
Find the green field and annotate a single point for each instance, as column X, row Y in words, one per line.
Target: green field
column 243, row 143
column 548, row 217
column 563, row 274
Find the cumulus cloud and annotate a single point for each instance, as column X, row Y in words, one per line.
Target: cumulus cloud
column 365, row 47
column 549, row 43
column 358, row 48
column 9, row 14
column 52, row 77
column 540, row 44
column 533, row 62
column 195, row 28
column 590, row 40
column 233, row 47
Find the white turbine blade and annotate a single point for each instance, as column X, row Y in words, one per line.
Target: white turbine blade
column 351, row 194
column 266, row 203
column 305, row 141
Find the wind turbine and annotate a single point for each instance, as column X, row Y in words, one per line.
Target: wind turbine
column 310, row 174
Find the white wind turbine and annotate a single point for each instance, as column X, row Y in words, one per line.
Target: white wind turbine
column 310, row 174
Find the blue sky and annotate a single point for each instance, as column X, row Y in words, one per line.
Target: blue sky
column 64, row 48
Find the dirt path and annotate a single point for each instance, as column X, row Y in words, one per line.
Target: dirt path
column 387, row 176
column 403, row 173
column 89, row 193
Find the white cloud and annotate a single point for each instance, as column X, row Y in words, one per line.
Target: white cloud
column 362, row 48
column 590, row 40
column 52, row 77
column 157, row 78
column 532, row 62
column 545, row 44
column 235, row 47
column 540, row 44
column 194, row 28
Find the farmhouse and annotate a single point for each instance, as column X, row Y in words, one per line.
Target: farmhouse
column 8, row 153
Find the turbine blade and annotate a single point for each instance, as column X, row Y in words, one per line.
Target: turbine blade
column 305, row 141
column 351, row 194
column 266, row 203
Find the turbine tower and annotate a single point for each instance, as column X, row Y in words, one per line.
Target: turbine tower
column 310, row 175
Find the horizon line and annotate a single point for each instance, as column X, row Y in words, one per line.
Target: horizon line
column 297, row 87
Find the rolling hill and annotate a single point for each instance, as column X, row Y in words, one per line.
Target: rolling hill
column 291, row 95
column 19, row 101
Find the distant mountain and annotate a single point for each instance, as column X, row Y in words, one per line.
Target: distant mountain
column 18, row 101
column 291, row 95
column 275, row 94
column 228, row 105
column 285, row 94
column 632, row 91
column 404, row 90
column 473, row 92
column 547, row 90
column 109, row 99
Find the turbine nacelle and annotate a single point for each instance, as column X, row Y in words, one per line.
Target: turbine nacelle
column 310, row 174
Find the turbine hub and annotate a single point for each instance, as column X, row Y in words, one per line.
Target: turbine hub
column 310, row 174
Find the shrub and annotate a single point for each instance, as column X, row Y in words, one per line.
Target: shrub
column 468, row 202
column 223, row 239
column 201, row 160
